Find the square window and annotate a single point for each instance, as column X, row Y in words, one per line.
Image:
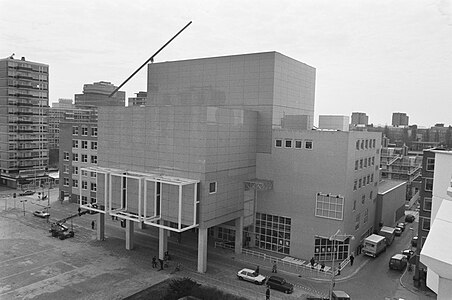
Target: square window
column 74, row 143
column 94, row 159
column 278, row 143
column 288, row 143
column 84, row 130
column 74, row 156
column 93, row 174
column 93, row 145
column 84, row 144
column 213, row 187
column 84, row 158
column 93, row 131
column 74, row 130
column 84, row 173
column 66, row 156
column 298, row 144
column 308, row 145
column 66, row 181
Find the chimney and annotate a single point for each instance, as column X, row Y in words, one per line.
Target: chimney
column 23, row 58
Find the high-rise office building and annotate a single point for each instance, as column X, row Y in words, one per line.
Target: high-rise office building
column 24, row 102
column 399, row 119
column 98, row 94
column 359, row 118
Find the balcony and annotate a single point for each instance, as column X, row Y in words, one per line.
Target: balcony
column 24, row 68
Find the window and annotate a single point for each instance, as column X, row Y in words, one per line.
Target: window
column 66, row 181
column 428, row 184
column 426, row 224
column 369, row 161
column 367, row 144
column 361, row 163
column 84, row 173
column 371, row 177
column 66, row 156
column 94, row 159
column 354, row 204
column 366, row 215
column 308, row 145
column 359, row 183
column 84, row 158
column 430, row 165
column 278, row 143
column 93, row 200
column 365, row 163
column 74, row 183
column 427, row 204
column 362, row 144
column 84, row 199
column 93, row 131
column 356, row 164
column 74, row 130
column 74, row 143
column 373, row 160
column 213, row 187
column 357, row 220
column 84, row 130
column 298, row 144
column 93, row 187
column 84, row 185
column 74, row 170
column 329, row 206
column 75, row 156
column 288, row 143
column 363, row 199
column 272, row 233
column 93, row 174
column 355, row 184
column 357, row 145
column 66, row 169
column 371, row 195
column 373, row 143
column 93, row 145
column 368, row 179
column 84, row 144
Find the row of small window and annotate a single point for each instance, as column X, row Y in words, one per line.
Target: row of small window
column 364, row 162
column 365, row 144
column 85, row 200
column 84, row 184
column 363, row 199
column 75, row 130
column 75, row 171
column 84, row 144
column 362, row 182
column 84, row 157
column 290, row 143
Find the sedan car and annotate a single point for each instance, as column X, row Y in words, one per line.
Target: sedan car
column 41, row 214
column 26, row 193
column 410, row 218
column 398, row 231
column 251, row 275
column 401, row 225
column 408, row 253
column 414, row 241
column 280, row 284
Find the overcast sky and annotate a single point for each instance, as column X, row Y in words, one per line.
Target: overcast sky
column 374, row 56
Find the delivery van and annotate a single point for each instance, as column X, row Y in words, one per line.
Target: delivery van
column 388, row 233
column 373, row 245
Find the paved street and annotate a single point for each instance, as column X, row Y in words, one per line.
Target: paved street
column 33, row 265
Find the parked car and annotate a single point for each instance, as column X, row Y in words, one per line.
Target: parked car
column 280, row 284
column 41, row 214
column 401, row 225
column 26, row 193
column 251, row 275
column 398, row 262
column 398, row 231
column 92, row 205
column 408, row 253
column 410, row 218
column 414, row 241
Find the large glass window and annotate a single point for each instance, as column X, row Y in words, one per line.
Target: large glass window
column 325, row 248
column 273, row 233
column 329, row 206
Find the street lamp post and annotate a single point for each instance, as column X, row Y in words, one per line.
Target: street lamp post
column 335, row 252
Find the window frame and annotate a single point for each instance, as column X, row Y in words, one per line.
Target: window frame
column 213, row 186
column 278, row 141
column 428, row 163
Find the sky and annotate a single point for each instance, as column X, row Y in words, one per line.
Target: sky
column 372, row 56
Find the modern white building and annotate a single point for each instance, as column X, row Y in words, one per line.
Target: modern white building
column 436, row 254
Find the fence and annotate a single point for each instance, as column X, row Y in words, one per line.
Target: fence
column 294, row 263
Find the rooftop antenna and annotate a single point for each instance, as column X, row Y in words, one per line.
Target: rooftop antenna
column 151, row 59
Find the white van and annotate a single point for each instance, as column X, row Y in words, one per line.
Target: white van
column 373, row 245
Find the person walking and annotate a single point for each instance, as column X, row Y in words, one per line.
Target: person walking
column 267, row 294
column 312, row 262
column 257, row 270
column 274, row 267
column 352, row 258
column 92, row 225
column 154, row 262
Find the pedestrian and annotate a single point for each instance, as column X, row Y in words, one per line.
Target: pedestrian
column 154, row 262
column 352, row 258
column 274, row 268
column 267, row 294
column 257, row 270
column 112, row 218
column 312, row 262
column 93, row 224
column 161, row 263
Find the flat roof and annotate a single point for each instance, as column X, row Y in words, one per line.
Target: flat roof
column 387, row 185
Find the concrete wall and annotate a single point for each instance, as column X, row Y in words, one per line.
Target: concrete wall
column 390, row 203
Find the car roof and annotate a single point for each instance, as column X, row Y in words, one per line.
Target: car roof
column 247, row 270
column 398, row 256
column 341, row 294
column 277, row 278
